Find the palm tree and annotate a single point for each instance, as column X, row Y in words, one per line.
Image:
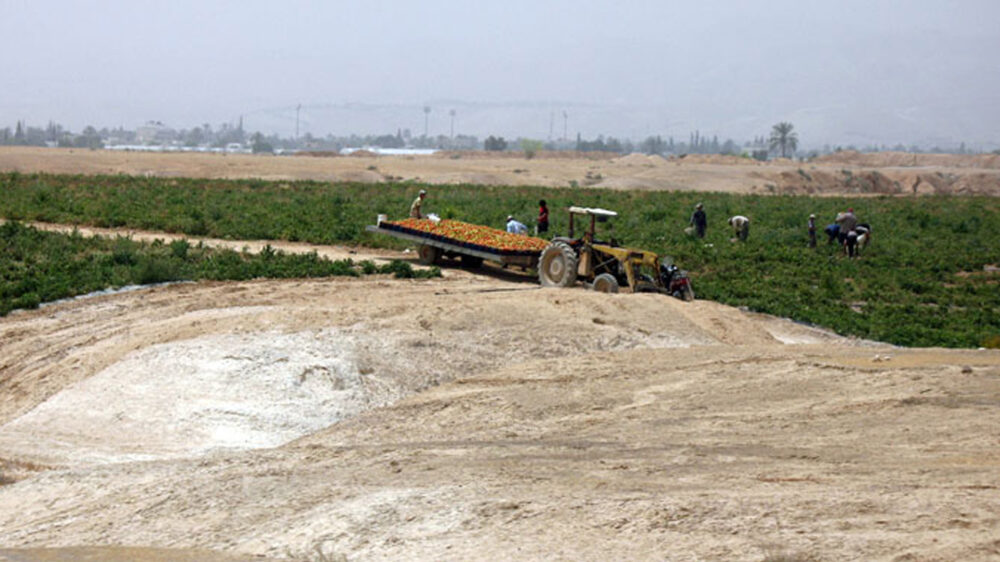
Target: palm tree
column 784, row 138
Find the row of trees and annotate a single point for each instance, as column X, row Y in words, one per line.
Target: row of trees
column 52, row 135
column 55, row 134
column 783, row 141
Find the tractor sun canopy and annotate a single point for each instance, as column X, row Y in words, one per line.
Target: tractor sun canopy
column 593, row 211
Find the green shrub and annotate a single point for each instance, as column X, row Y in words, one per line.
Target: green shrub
column 40, row 267
column 179, row 249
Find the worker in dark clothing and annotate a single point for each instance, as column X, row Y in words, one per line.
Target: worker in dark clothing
column 699, row 221
column 851, row 243
column 543, row 217
column 812, row 230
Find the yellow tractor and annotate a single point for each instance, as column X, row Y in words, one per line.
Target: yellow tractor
column 606, row 266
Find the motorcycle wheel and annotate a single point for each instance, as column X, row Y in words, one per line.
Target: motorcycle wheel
column 688, row 293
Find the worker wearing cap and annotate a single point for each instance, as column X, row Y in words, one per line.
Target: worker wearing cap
column 515, row 227
column 415, row 207
column 699, row 221
column 812, row 230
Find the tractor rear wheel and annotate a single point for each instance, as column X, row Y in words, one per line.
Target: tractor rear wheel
column 557, row 266
column 605, row 283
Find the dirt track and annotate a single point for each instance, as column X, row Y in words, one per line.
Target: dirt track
column 479, row 417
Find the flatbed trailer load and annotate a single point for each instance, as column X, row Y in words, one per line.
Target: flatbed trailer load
column 471, row 243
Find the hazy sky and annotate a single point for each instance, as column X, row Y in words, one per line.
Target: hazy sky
column 841, row 71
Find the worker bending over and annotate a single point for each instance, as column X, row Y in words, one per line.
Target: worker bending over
column 741, row 227
column 515, row 227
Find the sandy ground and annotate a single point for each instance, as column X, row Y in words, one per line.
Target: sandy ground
column 478, row 417
column 844, row 173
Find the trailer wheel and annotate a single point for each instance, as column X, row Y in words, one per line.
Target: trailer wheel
column 557, row 266
column 428, row 255
column 605, row 283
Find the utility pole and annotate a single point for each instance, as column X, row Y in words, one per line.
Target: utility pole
column 297, row 109
column 565, row 123
column 427, row 112
column 552, row 120
column 452, row 113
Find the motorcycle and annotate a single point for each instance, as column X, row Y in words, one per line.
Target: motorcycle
column 676, row 282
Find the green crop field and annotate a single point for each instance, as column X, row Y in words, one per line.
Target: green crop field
column 926, row 280
column 38, row 267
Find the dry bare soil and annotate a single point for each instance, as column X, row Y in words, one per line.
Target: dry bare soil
column 841, row 173
column 479, row 417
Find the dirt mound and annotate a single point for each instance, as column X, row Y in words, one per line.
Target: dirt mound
column 191, row 397
column 906, row 159
column 637, row 159
column 826, row 180
column 211, row 390
column 813, row 181
column 395, row 419
column 724, row 159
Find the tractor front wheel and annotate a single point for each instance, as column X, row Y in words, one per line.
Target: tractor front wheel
column 557, row 266
column 605, row 283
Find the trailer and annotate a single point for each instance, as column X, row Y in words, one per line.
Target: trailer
column 434, row 245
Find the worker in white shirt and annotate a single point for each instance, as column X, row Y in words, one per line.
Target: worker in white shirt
column 741, row 227
column 515, row 227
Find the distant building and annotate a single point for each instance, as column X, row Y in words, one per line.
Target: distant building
column 155, row 132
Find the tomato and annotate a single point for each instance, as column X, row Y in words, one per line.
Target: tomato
column 463, row 233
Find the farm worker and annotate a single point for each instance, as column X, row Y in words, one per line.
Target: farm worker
column 851, row 243
column 832, row 232
column 543, row 217
column 699, row 221
column 741, row 227
column 415, row 207
column 847, row 222
column 864, row 231
column 812, row 230
column 515, row 227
